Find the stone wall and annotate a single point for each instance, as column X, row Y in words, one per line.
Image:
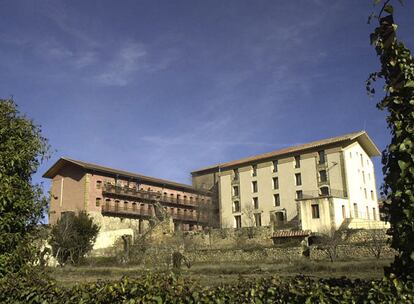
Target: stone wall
column 230, row 245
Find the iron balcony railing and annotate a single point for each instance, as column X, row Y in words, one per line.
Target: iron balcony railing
column 152, row 196
column 323, row 182
column 144, row 211
column 318, row 194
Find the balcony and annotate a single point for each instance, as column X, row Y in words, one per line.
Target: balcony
column 145, row 211
column 322, row 164
column 145, row 195
column 323, row 182
column 319, row 194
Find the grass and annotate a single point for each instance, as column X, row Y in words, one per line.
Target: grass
column 217, row 273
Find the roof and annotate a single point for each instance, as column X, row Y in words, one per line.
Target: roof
column 63, row 161
column 361, row 136
column 291, row 233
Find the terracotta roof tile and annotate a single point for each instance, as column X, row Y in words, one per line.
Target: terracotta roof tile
column 291, row 233
column 89, row 166
column 284, row 151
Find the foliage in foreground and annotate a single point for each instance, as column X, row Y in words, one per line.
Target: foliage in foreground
column 72, row 237
column 174, row 289
column 22, row 149
column 397, row 71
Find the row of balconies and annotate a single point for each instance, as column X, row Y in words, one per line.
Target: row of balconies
column 152, row 196
column 148, row 211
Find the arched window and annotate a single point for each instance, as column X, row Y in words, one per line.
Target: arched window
column 126, row 205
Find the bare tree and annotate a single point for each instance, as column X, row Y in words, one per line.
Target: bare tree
column 328, row 242
column 375, row 241
column 250, row 220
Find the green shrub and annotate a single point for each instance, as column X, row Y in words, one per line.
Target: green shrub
column 163, row 288
column 72, row 237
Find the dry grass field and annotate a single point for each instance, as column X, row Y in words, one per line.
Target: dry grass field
column 217, row 273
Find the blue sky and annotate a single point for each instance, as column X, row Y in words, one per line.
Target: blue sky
column 165, row 87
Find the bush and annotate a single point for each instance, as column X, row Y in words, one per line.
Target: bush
column 174, row 289
column 72, row 237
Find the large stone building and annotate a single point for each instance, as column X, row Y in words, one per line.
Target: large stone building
column 318, row 186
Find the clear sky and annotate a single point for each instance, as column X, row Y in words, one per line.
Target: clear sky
column 162, row 88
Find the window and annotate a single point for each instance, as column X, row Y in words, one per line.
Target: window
column 276, row 199
column 343, row 212
column 254, row 186
column 275, row 183
column 315, row 211
column 280, row 217
column 178, row 198
column 258, row 219
column 363, row 176
column 297, row 161
column 237, row 221
column 125, row 205
column 275, row 163
column 350, row 154
column 369, row 176
column 254, row 170
column 235, row 191
column 107, row 202
column 235, row 174
column 298, row 179
column 236, row 206
column 116, row 205
column 362, row 160
column 98, row 201
column 322, row 158
column 98, row 184
column 374, row 214
column 324, row 191
column 365, row 193
column 355, row 210
column 255, row 203
column 299, row 194
column 372, row 195
column 323, row 177
column 367, row 211
column 185, row 198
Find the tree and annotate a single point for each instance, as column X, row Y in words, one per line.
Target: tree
column 250, row 220
column 22, row 149
column 375, row 240
column 72, row 237
column 397, row 71
column 328, row 242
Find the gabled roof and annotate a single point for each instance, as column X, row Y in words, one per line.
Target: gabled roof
column 362, row 137
column 63, row 161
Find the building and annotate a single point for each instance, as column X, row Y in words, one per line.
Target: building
column 124, row 201
column 319, row 186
